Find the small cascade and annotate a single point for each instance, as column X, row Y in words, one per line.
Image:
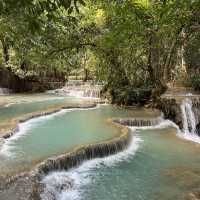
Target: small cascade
column 84, row 91
column 4, row 91
column 140, row 122
column 68, row 184
column 77, row 157
column 92, row 93
column 80, row 90
column 188, row 117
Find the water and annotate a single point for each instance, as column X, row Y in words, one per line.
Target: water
column 4, row 91
column 17, row 105
column 80, row 89
column 189, row 121
column 157, row 165
column 52, row 135
column 82, row 175
column 161, row 166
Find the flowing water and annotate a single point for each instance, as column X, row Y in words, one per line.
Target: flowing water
column 80, row 89
column 4, row 91
column 189, row 121
column 17, row 105
column 157, row 164
column 45, row 136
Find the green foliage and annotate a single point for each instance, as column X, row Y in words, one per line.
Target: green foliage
column 129, row 45
column 195, row 81
column 128, row 95
column 192, row 51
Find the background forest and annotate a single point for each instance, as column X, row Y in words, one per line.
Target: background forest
column 137, row 48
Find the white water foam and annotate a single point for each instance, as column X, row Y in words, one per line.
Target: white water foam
column 83, row 174
column 8, row 145
column 163, row 124
column 189, row 122
column 185, row 134
column 81, row 92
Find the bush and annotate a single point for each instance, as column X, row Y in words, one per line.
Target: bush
column 129, row 96
column 195, row 81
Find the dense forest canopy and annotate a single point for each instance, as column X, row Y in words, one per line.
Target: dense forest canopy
column 134, row 46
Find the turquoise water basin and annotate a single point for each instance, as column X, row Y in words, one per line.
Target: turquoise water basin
column 47, row 136
column 22, row 104
column 163, row 167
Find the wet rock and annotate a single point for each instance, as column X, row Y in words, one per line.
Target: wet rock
column 139, row 121
column 198, row 129
column 171, row 110
column 194, row 195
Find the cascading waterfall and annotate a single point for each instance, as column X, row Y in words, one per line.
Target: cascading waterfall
column 189, row 121
column 80, row 91
column 188, row 117
column 140, row 122
column 4, row 91
column 60, row 185
column 92, row 93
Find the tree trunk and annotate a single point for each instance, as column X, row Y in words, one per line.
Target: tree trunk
column 5, row 47
column 86, row 73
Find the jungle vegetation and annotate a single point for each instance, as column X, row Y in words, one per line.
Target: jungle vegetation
column 135, row 47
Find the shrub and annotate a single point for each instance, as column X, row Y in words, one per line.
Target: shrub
column 195, row 81
column 129, row 96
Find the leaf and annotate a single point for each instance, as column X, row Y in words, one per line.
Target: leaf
column 70, row 10
column 82, row 2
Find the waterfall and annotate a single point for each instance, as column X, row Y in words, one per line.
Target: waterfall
column 80, row 90
column 140, row 122
column 60, row 185
column 4, row 91
column 92, row 93
column 188, row 117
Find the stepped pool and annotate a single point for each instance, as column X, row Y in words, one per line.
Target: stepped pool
column 60, row 132
column 156, row 165
column 16, row 105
